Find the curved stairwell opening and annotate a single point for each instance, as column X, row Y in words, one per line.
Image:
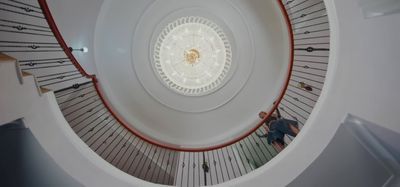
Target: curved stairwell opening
column 29, row 34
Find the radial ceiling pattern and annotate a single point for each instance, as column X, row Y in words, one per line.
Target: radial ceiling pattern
column 191, row 73
column 192, row 56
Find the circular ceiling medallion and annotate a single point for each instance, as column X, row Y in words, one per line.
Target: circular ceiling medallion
column 192, row 56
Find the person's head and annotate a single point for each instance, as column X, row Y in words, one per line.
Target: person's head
column 273, row 116
column 262, row 114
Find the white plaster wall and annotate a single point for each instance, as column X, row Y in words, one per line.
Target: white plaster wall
column 24, row 163
column 366, row 158
column 43, row 117
column 191, row 121
column 11, row 90
column 363, row 79
column 76, row 21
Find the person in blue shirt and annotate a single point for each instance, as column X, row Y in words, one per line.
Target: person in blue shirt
column 277, row 128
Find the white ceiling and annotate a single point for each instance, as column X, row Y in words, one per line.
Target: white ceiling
column 123, row 43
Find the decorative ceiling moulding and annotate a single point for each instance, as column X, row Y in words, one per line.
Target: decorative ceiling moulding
column 192, row 56
column 232, row 28
column 261, row 52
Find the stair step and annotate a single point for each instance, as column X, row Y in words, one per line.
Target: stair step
column 44, row 90
column 26, row 74
column 6, row 58
column 23, row 75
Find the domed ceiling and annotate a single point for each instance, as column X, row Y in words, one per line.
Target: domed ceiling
column 191, row 73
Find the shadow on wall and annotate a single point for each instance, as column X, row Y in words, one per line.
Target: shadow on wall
column 360, row 154
column 23, row 162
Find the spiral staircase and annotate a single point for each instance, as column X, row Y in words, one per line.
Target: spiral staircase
column 31, row 42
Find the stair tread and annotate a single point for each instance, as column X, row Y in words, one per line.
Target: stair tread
column 26, row 74
column 44, row 90
column 6, row 58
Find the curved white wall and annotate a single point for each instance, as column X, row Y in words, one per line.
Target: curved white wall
column 42, row 115
column 363, row 79
column 260, row 41
column 76, row 21
column 69, row 151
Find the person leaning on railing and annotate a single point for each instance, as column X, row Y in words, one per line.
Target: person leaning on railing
column 277, row 128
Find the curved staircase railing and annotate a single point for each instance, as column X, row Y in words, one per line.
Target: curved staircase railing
column 29, row 33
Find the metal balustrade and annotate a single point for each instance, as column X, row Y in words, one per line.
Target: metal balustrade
column 28, row 34
column 311, row 32
column 94, row 124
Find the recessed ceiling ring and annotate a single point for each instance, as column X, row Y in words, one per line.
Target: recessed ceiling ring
column 192, row 56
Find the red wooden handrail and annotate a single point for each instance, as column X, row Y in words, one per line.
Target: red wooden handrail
column 64, row 46
column 60, row 39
